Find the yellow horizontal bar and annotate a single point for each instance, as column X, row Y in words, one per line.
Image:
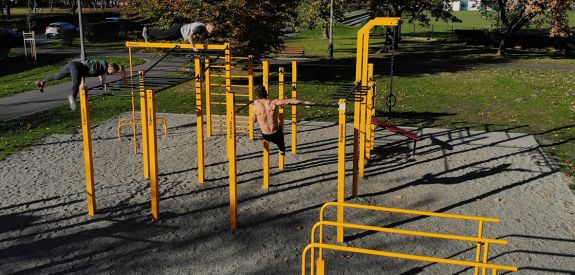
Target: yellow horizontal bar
column 233, row 85
column 223, row 94
column 408, row 256
column 224, row 66
column 405, row 211
column 172, row 45
column 223, row 103
column 233, row 76
column 412, row 233
column 233, row 57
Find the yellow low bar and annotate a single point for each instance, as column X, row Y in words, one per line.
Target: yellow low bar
column 199, row 121
column 161, row 45
column 281, row 111
column 153, row 149
column 88, row 156
column 399, row 256
column 294, row 108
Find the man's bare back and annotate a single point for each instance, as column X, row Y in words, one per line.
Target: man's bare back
column 266, row 115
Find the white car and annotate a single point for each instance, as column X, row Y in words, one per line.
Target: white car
column 54, row 29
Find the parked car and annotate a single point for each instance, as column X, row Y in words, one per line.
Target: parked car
column 10, row 39
column 54, row 30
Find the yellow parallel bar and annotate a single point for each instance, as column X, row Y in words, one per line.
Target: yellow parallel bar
column 135, row 138
column 341, row 167
column 233, row 66
column 144, row 121
column 234, row 85
column 485, row 257
column 409, row 232
column 208, row 80
column 222, row 94
column 233, row 76
column 88, row 159
column 199, row 120
column 153, row 143
column 172, row 45
column 400, row 256
column 407, row 211
column 294, row 107
column 251, row 96
column 281, row 96
column 478, row 251
column 231, row 140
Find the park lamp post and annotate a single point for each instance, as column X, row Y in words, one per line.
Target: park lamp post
column 82, row 49
column 331, row 30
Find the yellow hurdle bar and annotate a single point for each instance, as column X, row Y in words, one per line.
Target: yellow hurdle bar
column 144, row 121
column 199, row 120
column 160, row 45
column 153, row 148
column 88, row 157
column 341, row 167
column 399, row 256
column 231, row 140
column 281, row 96
column 266, row 158
column 208, row 98
column 294, row 107
column 135, row 138
column 251, row 96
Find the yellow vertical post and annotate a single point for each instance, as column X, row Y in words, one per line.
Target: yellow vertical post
column 356, row 135
column 134, row 136
column 320, row 266
column 199, row 120
column 294, row 107
column 478, row 252
column 266, row 157
column 369, row 112
column 251, row 96
column 341, row 168
column 88, row 159
column 208, row 80
column 231, row 138
column 153, row 144
column 144, row 121
column 362, row 128
column 485, row 257
column 281, row 96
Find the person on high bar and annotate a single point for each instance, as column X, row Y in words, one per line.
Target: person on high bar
column 189, row 32
column 266, row 115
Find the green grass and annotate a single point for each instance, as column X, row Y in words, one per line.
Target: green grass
column 23, row 81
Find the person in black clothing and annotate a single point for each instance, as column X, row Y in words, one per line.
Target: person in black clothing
column 80, row 70
column 191, row 33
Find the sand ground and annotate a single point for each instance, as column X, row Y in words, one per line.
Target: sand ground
column 44, row 227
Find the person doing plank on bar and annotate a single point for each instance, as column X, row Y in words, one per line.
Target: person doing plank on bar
column 190, row 32
column 266, row 115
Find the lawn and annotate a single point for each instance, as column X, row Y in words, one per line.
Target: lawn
column 26, row 74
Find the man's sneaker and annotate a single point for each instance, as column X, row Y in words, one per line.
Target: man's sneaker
column 40, row 86
column 72, row 102
column 145, row 33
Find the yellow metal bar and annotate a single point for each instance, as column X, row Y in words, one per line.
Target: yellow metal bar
column 266, row 74
column 406, row 211
column 199, row 120
column 281, row 96
column 362, row 132
column 369, row 112
column 266, row 158
column 153, row 143
column 294, row 107
column 251, row 96
column 485, row 257
column 234, row 85
column 134, row 134
column 88, row 158
column 144, row 121
column 231, row 139
column 233, row 76
column 399, row 256
column 341, row 168
column 478, row 252
column 356, row 134
column 406, row 232
column 208, row 98
column 172, row 45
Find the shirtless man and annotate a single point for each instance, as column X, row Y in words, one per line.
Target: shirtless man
column 265, row 113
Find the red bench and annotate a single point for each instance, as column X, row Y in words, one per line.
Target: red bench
column 397, row 130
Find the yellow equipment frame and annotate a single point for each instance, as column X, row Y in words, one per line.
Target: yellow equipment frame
column 478, row 264
column 360, row 107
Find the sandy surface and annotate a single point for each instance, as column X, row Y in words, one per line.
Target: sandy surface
column 44, row 227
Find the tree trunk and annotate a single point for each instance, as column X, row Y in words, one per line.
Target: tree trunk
column 8, row 11
column 502, row 47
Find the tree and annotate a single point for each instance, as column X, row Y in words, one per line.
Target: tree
column 513, row 15
column 422, row 11
column 311, row 13
column 251, row 26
